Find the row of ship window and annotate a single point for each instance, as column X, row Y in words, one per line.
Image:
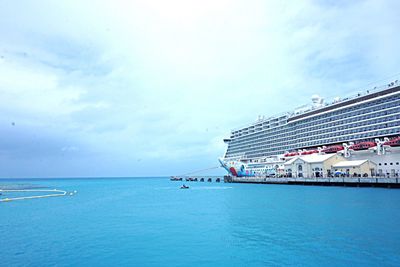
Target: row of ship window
column 302, row 137
column 357, row 127
column 347, row 112
column 281, row 150
column 295, row 138
column 364, row 119
column 286, row 146
column 345, row 115
column 268, row 124
column 328, row 140
column 353, row 137
column 320, row 125
column 261, row 135
column 359, row 108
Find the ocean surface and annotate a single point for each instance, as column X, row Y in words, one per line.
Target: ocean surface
column 151, row 222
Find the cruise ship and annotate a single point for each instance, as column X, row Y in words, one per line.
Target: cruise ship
column 365, row 126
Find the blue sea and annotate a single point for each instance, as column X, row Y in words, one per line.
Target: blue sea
column 151, row 222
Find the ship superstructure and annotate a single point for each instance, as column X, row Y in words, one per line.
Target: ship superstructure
column 366, row 125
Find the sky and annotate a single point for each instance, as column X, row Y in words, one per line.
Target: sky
column 150, row 88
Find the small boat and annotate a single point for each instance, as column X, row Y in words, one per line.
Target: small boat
column 332, row 149
column 218, row 180
column 362, row 145
column 292, row 154
column 209, row 180
column 201, row 179
column 309, row 152
column 184, row 187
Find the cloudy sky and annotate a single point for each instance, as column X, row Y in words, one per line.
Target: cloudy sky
column 148, row 88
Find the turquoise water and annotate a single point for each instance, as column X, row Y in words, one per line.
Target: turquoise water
column 151, row 222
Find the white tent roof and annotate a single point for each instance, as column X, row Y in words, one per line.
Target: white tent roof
column 349, row 163
column 313, row 158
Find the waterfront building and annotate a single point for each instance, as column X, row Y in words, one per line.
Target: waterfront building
column 360, row 168
column 312, row 165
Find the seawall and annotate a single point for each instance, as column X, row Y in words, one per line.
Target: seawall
column 337, row 181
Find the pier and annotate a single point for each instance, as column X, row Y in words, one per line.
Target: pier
column 196, row 179
column 332, row 181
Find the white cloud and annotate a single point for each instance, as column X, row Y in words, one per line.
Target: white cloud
column 165, row 81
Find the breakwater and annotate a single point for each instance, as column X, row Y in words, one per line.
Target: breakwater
column 334, row 181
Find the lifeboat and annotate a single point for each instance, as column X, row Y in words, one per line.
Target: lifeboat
column 362, row 145
column 291, row 154
column 393, row 142
column 309, row 152
column 332, row 149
